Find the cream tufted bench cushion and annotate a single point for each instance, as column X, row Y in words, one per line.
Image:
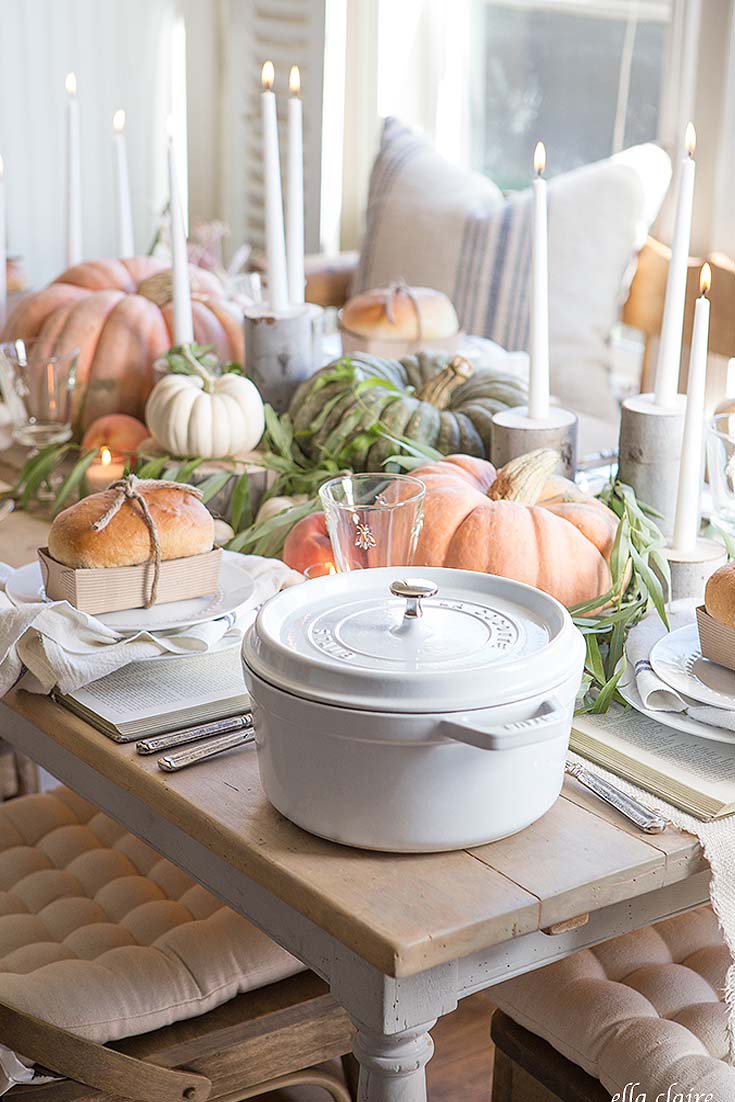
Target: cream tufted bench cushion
column 643, row 1009
column 102, row 936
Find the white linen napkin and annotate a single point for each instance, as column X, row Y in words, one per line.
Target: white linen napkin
column 47, row 646
column 655, row 694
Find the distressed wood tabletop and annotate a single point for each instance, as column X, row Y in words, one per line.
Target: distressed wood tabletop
column 402, row 914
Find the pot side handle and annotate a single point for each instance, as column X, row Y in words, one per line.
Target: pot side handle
column 467, row 727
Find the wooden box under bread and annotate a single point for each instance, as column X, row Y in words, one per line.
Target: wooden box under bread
column 115, row 588
column 716, row 640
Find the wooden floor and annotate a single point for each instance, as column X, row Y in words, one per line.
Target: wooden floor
column 462, row 1065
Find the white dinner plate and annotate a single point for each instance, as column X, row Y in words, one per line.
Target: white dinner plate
column 677, row 660
column 236, row 591
column 678, row 721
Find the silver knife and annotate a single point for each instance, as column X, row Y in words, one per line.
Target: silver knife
column 171, row 763
column 648, row 821
column 194, row 734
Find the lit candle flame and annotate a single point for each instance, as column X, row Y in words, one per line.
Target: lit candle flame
column 294, row 80
column 690, row 139
column 118, row 121
column 105, row 457
column 332, row 569
column 268, row 75
column 539, row 158
column 705, row 279
column 70, row 84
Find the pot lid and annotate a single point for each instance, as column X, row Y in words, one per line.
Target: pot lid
column 429, row 640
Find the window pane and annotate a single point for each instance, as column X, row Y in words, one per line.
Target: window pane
column 555, row 72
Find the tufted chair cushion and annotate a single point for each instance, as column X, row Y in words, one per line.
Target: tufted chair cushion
column 644, row 1008
column 102, row 936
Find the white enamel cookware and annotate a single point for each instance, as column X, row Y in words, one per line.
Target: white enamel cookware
column 412, row 714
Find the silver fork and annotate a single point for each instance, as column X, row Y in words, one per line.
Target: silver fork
column 647, row 821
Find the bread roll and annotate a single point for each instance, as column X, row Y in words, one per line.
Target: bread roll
column 184, row 525
column 719, row 595
column 391, row 314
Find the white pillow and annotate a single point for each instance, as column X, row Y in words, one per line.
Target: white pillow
column 437, row 225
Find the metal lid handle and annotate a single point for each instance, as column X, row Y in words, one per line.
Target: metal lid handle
column 413, row 590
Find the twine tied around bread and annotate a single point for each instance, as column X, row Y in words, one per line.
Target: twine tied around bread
column 391, row 291
column 131, row 489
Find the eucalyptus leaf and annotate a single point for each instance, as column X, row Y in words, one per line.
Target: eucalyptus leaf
column 212, row 485
column 241, row 512
column 75, row 477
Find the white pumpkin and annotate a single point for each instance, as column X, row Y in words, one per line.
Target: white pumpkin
column 210, row 417
column 275, row 505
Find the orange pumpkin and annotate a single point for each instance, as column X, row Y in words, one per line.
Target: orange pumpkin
column 520, row 523
column 119, row 314
column 117, row 431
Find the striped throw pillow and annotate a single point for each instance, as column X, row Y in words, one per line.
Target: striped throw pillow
column 438, row 225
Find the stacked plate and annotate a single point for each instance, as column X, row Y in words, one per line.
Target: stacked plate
column 677, row 660
column 235, row 594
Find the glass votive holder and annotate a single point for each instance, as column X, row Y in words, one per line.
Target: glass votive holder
column 37, row 383
column 721, row 470
column 320, row 570
column 373, row 519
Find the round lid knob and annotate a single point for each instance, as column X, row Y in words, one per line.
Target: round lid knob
column 413, row 590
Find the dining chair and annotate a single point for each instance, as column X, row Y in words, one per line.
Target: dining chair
column 121, row 978
column 644, row 307
column 644, row 1011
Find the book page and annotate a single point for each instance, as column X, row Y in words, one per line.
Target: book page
column 149, row 689
column 705, row 766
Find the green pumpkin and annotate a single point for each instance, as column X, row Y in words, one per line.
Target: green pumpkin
column 443, row 403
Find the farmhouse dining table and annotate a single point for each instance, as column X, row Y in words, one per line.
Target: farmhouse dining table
column 399, row 939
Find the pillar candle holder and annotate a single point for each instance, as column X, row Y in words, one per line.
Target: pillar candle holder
column 690, row 570
column 316, row 318
column 515, row 433
column 279, row 352
column 649, row 451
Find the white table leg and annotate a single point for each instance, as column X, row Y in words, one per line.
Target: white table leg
column 392, row 1068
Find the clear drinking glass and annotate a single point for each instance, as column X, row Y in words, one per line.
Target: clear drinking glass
column 37, row 383
column 721, row 470
column 373, row 519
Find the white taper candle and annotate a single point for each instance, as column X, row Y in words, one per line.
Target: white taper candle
column 295, row 192
column 538, row 387
column 669, row 353
column 183, row 323
column 73, row 175
column 686, row 521
column 125, row 241
column 275, row 242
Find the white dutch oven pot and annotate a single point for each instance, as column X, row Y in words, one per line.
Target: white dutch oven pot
column 409, row 715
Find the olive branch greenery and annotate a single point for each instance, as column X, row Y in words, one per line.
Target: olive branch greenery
column 639, row 571
column 639, row 575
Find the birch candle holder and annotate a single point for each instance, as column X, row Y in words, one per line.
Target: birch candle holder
column 649, row 451
column 690, row 570
column 515, row 433
column 279, row 352
column 316, row 319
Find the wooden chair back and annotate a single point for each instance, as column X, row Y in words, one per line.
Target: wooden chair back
column 644, row 308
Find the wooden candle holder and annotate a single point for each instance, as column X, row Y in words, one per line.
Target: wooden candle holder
column 649, row 451
column 515, row 433
column 279, row 352
column 690, row 570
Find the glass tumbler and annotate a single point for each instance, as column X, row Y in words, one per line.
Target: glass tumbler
column 373, row 519
column 37, row 383
column 721, row 470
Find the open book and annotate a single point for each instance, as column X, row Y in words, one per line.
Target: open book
column 148, row 698
column 691, row 773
